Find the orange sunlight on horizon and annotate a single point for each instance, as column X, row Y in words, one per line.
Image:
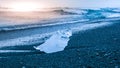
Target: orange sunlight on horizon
column 26, row 6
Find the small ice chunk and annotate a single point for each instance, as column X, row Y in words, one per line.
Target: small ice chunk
column 57, row 42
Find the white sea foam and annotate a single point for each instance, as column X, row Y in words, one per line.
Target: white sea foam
column 42, row 25
column 39, row 38
column 78, row 11
column 114, row 15
column 15, row 51
column 91, row 26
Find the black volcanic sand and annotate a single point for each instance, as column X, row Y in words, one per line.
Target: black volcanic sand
column 96, row 48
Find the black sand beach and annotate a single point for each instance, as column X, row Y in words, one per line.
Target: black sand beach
column 96, row 48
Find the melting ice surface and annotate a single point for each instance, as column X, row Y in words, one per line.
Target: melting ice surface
column 57, row 42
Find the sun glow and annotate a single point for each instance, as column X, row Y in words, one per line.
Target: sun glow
column 25, row 7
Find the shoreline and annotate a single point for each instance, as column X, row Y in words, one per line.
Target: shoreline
column 95, row 48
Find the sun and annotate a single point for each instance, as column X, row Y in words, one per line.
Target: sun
column 25, row 7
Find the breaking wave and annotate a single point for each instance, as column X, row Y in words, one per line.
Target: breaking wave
column 63, row 12
column 72, row 15
column 22, row 27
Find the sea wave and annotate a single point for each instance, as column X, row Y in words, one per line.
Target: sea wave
column 68, row 15
column 22, row 27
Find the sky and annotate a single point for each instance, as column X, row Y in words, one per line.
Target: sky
column 68, row 3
